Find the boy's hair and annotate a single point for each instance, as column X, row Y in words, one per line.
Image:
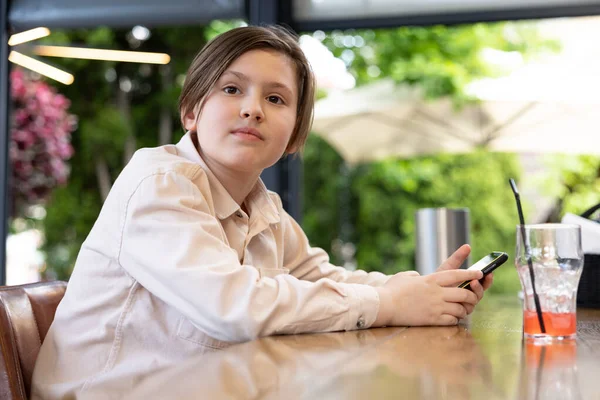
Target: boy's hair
column 217, row 55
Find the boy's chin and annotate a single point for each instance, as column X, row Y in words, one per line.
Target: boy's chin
column 248, row 165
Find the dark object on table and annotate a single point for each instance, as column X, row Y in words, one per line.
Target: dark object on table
column 588, row 294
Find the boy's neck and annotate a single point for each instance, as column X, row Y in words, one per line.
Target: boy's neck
column 238, row 185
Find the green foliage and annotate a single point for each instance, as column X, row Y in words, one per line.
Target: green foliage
column 440, row 60
column 71, row 216
column 574, row 180
column 215, row 28
column 581, row 184
column 378, row 201
column 322, row 190
column 108, row 119
column 388, row 194
column 385, row 195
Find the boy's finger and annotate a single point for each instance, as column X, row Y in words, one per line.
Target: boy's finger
column 455, row 309
column 456, row 276
column 458, row 295
column 447, row 319
column 468, row 307
column 487, row 282
column 477, row 289
column 456, row 259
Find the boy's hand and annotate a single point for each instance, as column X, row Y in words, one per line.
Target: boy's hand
column 413, row 300
column 425, row 300
column 454, row 262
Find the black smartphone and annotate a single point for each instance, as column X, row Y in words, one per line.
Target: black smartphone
column 487, row 264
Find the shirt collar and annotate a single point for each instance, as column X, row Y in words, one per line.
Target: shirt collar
column 258, row 200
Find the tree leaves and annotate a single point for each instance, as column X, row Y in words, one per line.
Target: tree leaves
column 441, row 60
column 384, row 195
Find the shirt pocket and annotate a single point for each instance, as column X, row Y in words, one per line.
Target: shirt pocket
column 272, row 272
column 188, row 331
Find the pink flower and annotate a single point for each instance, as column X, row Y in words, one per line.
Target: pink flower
column 40, row 143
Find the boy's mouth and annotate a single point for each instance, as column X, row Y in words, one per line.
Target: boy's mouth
column 248, row 132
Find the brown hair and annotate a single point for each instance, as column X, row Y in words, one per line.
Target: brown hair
column 216, row 56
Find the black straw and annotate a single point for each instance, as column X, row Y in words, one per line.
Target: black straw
column 536, row 299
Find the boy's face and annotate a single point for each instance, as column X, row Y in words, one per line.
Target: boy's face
column 249, row 115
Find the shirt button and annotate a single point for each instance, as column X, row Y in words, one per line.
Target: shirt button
column 360, row 323
column 239, row 214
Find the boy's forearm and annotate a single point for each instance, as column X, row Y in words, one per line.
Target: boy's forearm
column 342, row 275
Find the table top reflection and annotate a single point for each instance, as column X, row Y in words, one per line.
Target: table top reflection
column 483, row 357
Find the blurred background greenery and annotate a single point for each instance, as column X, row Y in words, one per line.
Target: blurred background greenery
column 363, row 212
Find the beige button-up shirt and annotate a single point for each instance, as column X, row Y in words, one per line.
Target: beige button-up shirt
column 173, row 267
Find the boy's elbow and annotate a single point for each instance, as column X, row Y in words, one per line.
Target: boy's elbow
column 243, row 324
column 239, row 330
column 251, row 330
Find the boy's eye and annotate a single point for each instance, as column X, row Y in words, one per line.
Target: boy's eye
column 275, row 99
column 231, row 90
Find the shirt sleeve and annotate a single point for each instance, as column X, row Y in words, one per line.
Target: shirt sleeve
column 174, row 247
column 312, row 263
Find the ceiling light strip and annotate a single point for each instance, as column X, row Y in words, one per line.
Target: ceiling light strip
column 41, row 68
column 101, row 54
column 28, row 36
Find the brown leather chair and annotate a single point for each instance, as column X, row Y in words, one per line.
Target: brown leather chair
column 26, row 312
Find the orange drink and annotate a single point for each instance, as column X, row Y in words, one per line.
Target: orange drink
column 556, row 324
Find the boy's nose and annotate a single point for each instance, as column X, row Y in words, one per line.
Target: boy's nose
column 252, row 110
column 253, row 115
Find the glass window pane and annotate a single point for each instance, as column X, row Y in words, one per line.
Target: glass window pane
column 310, row 10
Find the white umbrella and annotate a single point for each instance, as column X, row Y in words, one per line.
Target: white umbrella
column 549, row 107
column 380, row 120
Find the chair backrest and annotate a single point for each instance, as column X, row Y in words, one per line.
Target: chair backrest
column 26, row 312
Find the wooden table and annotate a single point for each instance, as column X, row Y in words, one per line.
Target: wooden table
column 482, row 358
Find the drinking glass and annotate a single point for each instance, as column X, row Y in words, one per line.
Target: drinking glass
column 557, row 262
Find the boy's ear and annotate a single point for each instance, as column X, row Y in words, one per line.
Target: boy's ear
column 189, row 121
